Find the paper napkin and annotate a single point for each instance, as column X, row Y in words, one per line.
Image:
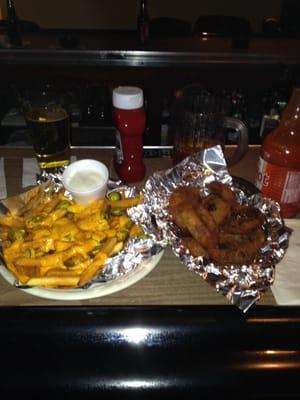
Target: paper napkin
column 3, row 189
column 286, row 287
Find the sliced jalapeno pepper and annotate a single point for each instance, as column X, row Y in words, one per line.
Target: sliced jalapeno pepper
column 113, row 196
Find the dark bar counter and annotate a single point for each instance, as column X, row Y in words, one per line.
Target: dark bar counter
column 150, row 352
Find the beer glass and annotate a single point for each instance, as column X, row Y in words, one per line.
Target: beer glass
column 49, row 127
column 199, row 121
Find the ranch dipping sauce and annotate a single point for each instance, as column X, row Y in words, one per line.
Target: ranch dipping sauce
column 86, row 180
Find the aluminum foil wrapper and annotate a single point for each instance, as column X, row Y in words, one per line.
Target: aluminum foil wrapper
column 134, row 253
column 243, row 285
column 54, row 176
column 51, row 176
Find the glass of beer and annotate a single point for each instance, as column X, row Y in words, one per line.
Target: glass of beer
column 49, row 128
column 199, row 121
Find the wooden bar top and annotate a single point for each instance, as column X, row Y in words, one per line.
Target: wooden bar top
column 169, row 283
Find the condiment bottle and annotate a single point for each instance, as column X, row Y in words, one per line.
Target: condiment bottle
column 130, row 122
column 278, row 175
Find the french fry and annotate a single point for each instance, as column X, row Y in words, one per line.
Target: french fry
column 62, row 245
column 35, row 268
column 19, row 274
column 44, row 262
column 110, row 233
column 93, row 222
column 63, row 272
column 40, row 234
column 92, row 269
column 27, row 272
column 109, row 245
column 84, row 212
column 50, row 205
column 55, row 281
column 117, row 248
column 44, row 245
column 135, row 230
column 67, row 230
column 125, row 203
column 75, row 250
column 11, row 220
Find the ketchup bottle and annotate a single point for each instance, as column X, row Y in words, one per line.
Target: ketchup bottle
column 278, row 175
column 130, row 122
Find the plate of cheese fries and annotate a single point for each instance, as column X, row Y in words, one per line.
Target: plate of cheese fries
column 55, row 248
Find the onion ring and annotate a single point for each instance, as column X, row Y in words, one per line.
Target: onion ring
column 194, row 247
column 223, row 191
column 238, row 249
column 217, row 226
column 244, row 219
column 218, row 208
column 189, row 214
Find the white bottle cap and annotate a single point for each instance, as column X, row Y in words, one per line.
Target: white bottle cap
column 128, row 97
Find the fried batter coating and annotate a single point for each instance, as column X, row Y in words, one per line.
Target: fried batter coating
column 223, row 191
column 180, row 195
column 244, row 219
column 194, row 247
column 217, row 226
column 188, row 213
column 218, row 208
column 196, row 226
column 237, row 249
column 208, row 221
column 177, row 200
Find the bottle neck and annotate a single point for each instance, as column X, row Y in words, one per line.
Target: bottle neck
column 13, row 30
column 292, row 110
column 11, row 11
column 144, row 10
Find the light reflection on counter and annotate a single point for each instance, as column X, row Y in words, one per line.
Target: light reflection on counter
column 271, row 359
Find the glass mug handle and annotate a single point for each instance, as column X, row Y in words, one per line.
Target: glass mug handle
column 242, row 141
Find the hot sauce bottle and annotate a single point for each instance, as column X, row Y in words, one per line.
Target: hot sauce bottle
column 130, row 122
column 278, row 175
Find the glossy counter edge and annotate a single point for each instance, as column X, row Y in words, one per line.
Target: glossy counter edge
column 186, row 352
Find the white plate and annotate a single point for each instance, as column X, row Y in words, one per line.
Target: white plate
column 96, row 290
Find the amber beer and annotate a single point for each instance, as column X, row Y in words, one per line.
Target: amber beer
column 199, row 121
column 184, row 147
column 49, row 131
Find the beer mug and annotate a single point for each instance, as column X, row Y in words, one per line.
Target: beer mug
column 48, row 123
column 199, row 121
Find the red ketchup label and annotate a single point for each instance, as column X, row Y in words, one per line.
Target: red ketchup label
column 278, row 183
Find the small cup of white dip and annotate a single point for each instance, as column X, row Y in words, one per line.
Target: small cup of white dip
column 86, row 180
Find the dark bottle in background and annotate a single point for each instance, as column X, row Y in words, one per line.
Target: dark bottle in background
column 13, row 27
column 143, row 23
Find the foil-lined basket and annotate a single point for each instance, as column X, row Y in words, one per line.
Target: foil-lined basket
column 243, row 285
